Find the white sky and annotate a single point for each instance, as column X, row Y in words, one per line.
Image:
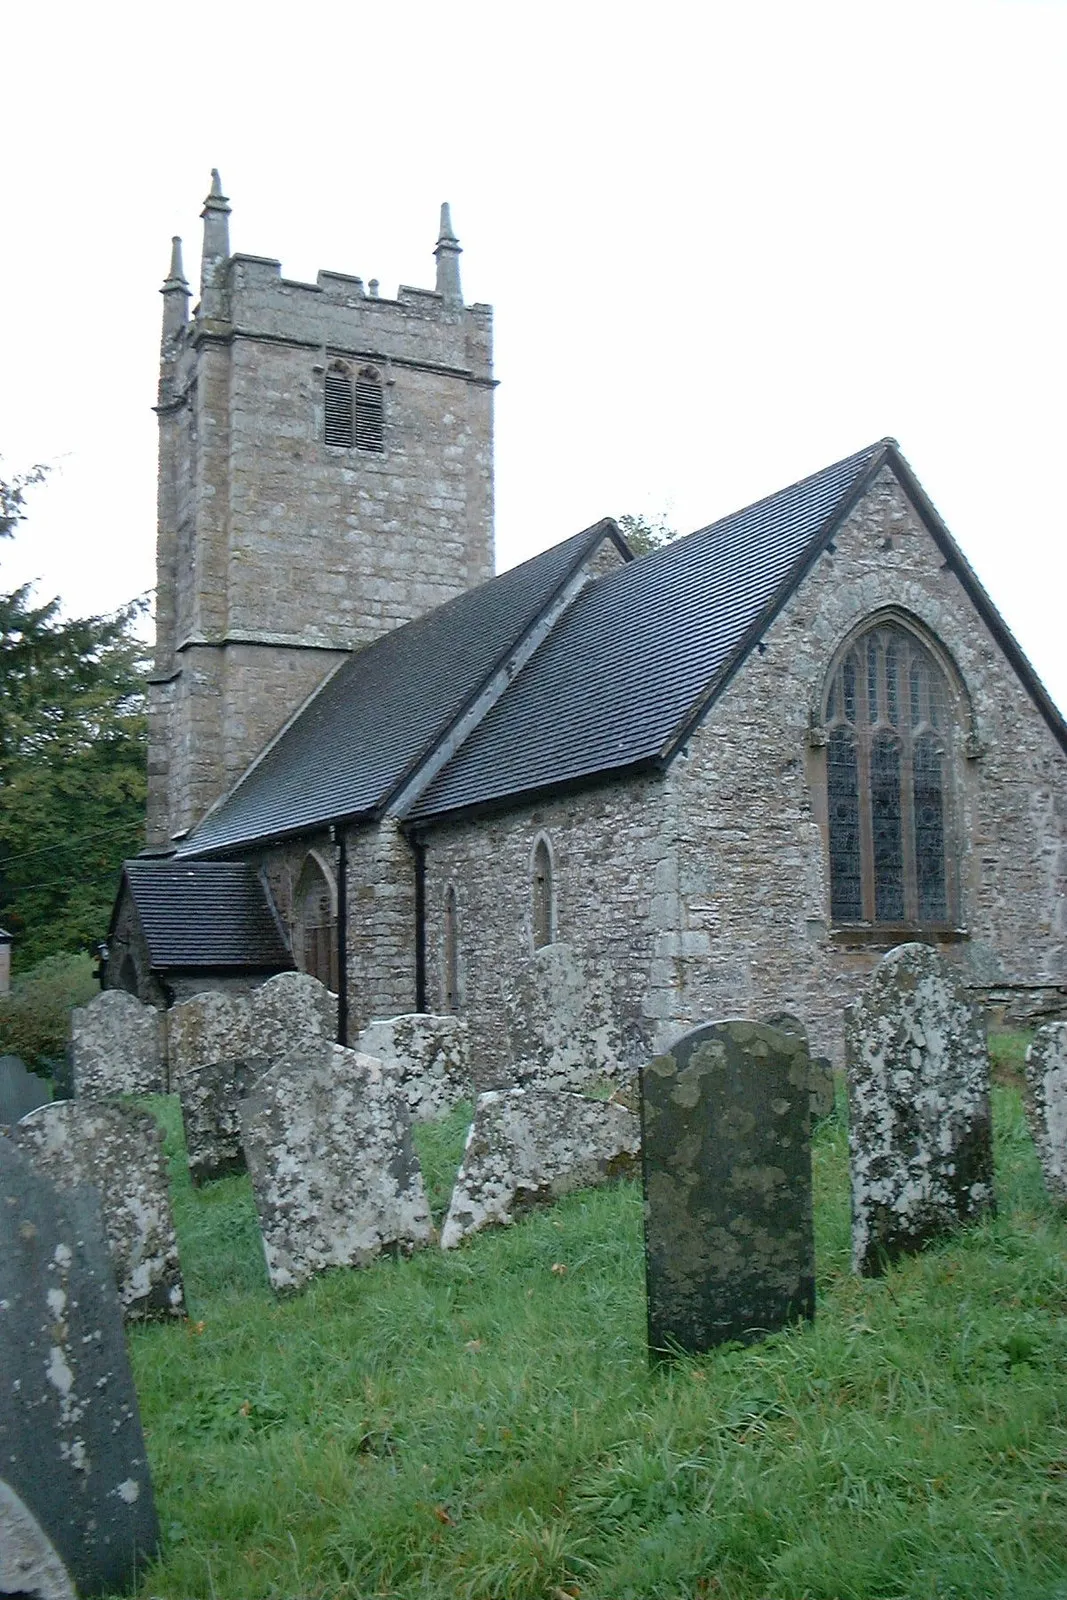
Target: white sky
column 726, row 242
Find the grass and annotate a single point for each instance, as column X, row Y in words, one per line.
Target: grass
column 483, row 1425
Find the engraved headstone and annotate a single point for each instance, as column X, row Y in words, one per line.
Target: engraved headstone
column 334, row 1172
column 20, row 1091
column 212, row 1064
column 528, row 1147
column 71, row 1445
column 726, row 1159
column 920, row 1136
column 120, row 1151
column 116, row 1047
column 1046, row 1104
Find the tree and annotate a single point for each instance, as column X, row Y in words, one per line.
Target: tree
column 645, row 534
column 72, row 760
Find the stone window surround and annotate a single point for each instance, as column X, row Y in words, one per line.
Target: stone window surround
column 885, row 935
column 353, row 376
column 451, row 965
column 542, row 877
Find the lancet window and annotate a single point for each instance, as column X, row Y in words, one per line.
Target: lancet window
column 543, row 909
column 315, row 931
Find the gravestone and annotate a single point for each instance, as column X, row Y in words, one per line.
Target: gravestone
column 116, row 1047
column 211, row 1065
column 20, row 1091
column 429, row 1057
column 120, row 1151
column 29, row 1565
column 71, row 1445
column 920, row 1136
column 562, row 1029
column 1046, row 1104
column 726, row 1162
column 336, row 1180
column 288, row 1013
column 527, row 1147
column 822, row 1072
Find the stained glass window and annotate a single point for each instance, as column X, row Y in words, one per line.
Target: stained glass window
column 888, row 719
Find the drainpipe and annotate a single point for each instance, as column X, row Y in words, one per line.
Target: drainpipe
column 419, row 849
column 341, row 839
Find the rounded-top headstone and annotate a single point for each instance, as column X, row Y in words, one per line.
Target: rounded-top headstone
column 116, row 1047
column 1046, row 1104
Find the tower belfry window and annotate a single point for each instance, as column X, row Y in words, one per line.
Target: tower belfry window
column 338, row 398
column 370, row 411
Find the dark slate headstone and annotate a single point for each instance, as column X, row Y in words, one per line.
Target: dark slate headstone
column 726, row 1159
column 20, row 1091
column 919, row 1130
column 821, row 1082
column 71, row 1444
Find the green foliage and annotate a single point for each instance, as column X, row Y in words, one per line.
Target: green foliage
column 482, row 1424
column 72, row 762
column 35, row 1016
column 645, row 534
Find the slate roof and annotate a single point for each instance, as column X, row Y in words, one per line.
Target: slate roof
column 384, row 710
column 212, row 914
column 641, row 653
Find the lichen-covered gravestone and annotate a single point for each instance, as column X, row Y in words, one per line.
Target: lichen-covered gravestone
column 212, row 1064
column 20, row 1091
column 120, row 1151
column 920, row 1137
column 560, row 1016
column 726, row 1160
column 429, row 1057
column 29, row 1564
column 335, row 1176
column 1046, row 1104
column 527, row 1147
column 288, row 1014
column 822, row 1073
column 71, row 1444
column 116, row 1047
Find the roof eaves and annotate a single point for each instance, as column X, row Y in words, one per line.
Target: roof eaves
column 494, row 805
column 978, row 597
column 237, row 848
column 696, row 713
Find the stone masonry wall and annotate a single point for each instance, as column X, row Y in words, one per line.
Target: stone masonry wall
column 753, row 929
column 277, row 552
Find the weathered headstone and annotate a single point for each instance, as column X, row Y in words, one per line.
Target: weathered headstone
column 1046, row 1104
column 562, row 1029
column 920, row 1136
column 116, row 1046
column 822, row 1072
column 20, row 1091
column 726, row 1160
column 527, row 1147
column 120, row 1151
column 71, row 1445
column 288, row 1013
column 212, row 1064
column 29, row 1565
column 429, row 1057
column 335, row 1176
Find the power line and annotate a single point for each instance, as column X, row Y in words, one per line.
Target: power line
column 76, row 839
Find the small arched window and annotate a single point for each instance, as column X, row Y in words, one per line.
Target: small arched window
column 315, row 931
column 338, row 407
column 542, row 895
column 370, row 411
column 889, row 721
column 451, row 952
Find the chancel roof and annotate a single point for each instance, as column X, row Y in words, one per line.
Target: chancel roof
column 212, row 914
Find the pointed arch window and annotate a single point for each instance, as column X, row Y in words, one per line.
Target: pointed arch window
column 543, row 908
column 889, row 718
column 315, row 931
column 370, row 411
column 338, row 407
column 451, row 952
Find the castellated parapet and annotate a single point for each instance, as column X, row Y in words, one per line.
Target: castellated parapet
column 279, row 552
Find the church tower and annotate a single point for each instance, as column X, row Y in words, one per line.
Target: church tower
column 325, row 474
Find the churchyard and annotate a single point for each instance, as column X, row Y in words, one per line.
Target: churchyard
column 483, row 1419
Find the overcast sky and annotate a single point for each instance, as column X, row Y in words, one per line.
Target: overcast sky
column 726, row 244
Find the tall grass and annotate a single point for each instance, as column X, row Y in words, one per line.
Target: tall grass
column 484, row 1424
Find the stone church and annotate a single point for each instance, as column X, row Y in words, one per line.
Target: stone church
column 719, row 779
